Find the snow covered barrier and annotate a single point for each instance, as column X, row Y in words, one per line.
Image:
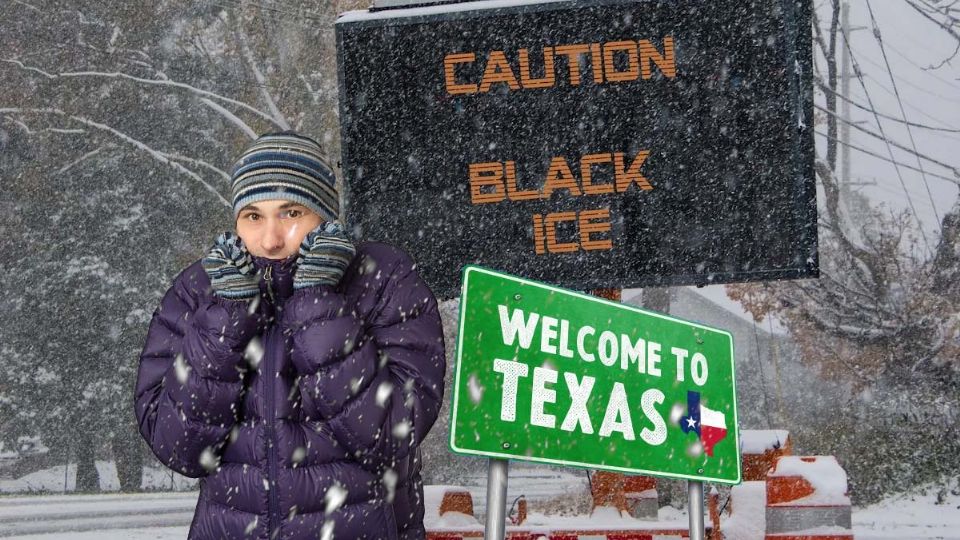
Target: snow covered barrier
column 807, row 500
column 641, row 496
column 445, row 518
column 760, row 449
column 448, row 510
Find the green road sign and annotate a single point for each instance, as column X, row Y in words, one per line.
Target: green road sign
column 556, row 376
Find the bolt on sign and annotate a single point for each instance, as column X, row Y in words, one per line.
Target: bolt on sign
column 588, row 144
column 555, row 376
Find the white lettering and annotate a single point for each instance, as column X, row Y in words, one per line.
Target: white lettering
column 608, row 348
column 584, row 355
column 512, row 371
column 510, row 328
column 698, row 369
column 579, row 393
column 681, row 355
column 617, row 417
column 548, row 332
column 541, row 395
column 658, row 434
column 565, row 339
column 630, row 353
column 653, row 358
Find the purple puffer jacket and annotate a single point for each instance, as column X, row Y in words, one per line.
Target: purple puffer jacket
column 319, row 434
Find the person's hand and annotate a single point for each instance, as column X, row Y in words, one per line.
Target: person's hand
column 230, row 267
column 325, row 254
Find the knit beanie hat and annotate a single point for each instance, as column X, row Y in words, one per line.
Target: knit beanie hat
column 288, row 166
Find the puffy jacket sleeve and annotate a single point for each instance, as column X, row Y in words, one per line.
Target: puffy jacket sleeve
column 189, row 379
column 375, row 380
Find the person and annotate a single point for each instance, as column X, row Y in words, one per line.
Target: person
column 292, row 371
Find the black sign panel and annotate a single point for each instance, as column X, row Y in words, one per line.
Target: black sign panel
column 587, row 144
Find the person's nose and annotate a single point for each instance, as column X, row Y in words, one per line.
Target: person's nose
column 273, row 237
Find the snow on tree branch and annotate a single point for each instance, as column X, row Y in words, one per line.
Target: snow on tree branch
column 277, row 116
column 155, row 82
column 160, row 156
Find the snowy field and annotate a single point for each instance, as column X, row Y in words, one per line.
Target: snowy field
column 166, row 516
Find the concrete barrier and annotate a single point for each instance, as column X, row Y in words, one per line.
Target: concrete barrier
column 807, row 500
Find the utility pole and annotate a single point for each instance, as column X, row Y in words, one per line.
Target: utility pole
column 853, row 209
column 845, row 62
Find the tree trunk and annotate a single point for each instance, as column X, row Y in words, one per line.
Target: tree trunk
column 128, row 456
column 87, row 478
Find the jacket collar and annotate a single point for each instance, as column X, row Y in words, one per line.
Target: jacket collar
column 280, row 276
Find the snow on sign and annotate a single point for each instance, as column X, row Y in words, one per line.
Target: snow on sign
column 584, row 143
column 555, row 376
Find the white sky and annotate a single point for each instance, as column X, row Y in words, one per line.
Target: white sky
column 930, row 97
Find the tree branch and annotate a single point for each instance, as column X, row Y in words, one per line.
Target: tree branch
column 154, row 82
column 160, row 156
column 278, row 117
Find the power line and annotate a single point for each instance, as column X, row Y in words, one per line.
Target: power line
column 926, row 71
column 896, row 166
column 894, row 191
column 884, row 158
column 901, row 146
column 920, row 111
column 913, row 143
column 825, row 88
column 906, row 82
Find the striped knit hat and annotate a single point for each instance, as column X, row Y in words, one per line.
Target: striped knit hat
column 288, row 166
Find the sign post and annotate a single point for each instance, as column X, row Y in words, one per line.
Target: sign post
column 495, row 526
column 695, row 508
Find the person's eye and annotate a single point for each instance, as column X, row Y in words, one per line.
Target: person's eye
column 253, row 217
column 294, row 213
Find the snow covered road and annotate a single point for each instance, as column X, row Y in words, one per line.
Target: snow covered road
column 166, row 516
column 55, row 516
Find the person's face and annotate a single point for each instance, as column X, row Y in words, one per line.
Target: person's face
column 275, row 228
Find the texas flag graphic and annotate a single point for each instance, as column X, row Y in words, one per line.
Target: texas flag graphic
column 709, row 425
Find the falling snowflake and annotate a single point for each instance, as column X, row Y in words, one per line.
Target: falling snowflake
column 476, row 389
column 181, row 369
column 383, row 393
column 334, row 499
column 253, row 354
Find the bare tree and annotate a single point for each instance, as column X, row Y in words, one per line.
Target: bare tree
column 884, row 315
column 120, row 120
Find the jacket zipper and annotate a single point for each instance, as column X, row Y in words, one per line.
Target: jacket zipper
column 274, row 510
column 268, row 279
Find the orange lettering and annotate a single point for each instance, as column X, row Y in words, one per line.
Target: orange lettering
column 560, row 177
column 573, row 52
column 626, row 176
column 498, row 70
column 485, row 175
column 650, row 55
column 538, row 234
column 589, row 221
column 548, row 73
column 552, row 244
column 633, row 66
column 450, row 73
column 596, row 62
column 586, row 172
column 512, row 192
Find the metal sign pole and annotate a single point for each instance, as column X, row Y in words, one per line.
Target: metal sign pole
column 496, row 499
column 695, row 509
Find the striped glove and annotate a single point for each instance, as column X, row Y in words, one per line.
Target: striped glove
column 231, row 269
column 324, row 255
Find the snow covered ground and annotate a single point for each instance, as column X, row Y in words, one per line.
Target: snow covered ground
column 166, row 516
column 916, row 516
